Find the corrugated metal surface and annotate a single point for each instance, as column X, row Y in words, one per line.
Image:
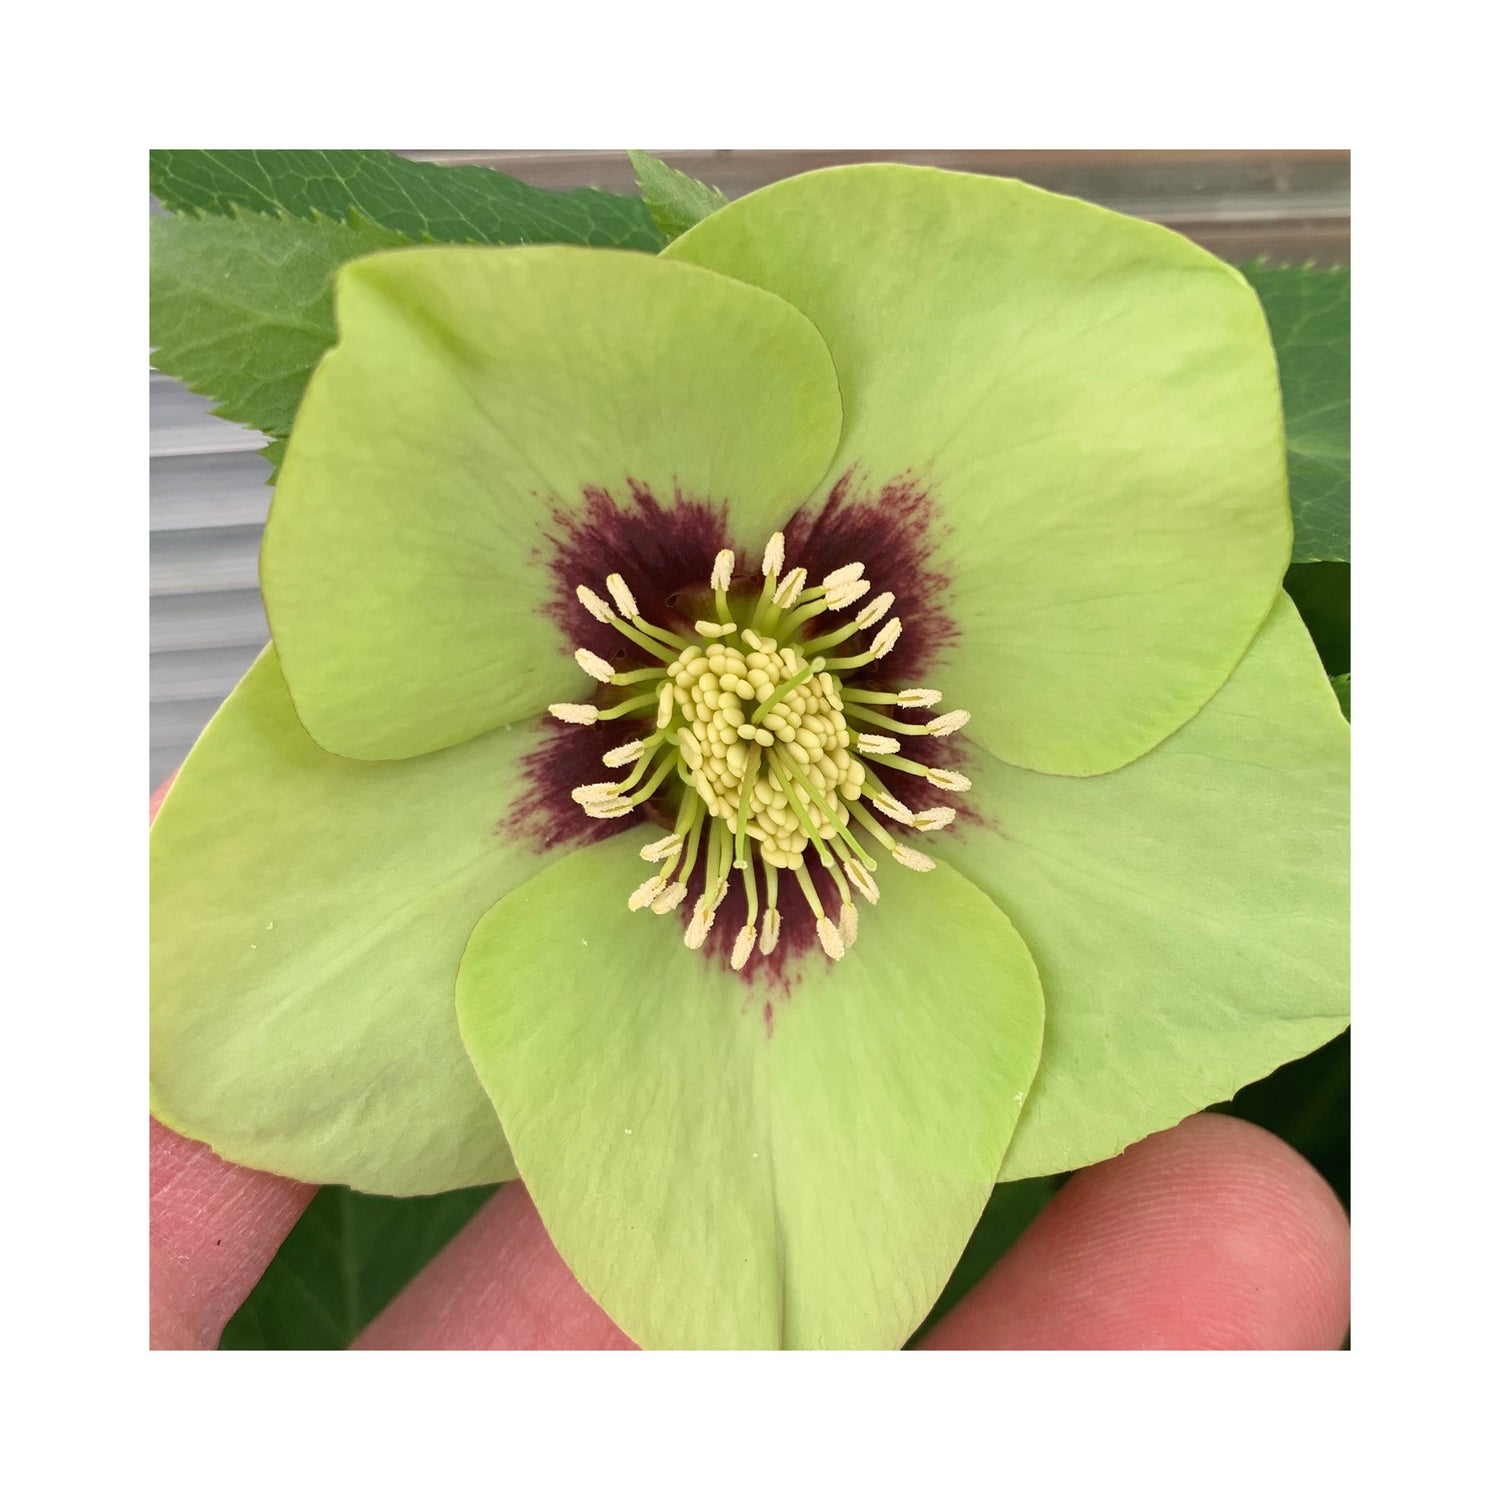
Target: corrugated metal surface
column 209, row 498
column 208, row 491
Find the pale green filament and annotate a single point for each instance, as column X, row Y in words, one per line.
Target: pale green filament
column 654, row 643
column 644, row 674
column 666, row 637
column 883, row 721
column 630, row 705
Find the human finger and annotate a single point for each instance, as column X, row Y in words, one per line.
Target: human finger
column 498, row 1284
column 214, row 1229
column 1212, row 1235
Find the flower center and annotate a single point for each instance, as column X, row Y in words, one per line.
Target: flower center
column 762, row 748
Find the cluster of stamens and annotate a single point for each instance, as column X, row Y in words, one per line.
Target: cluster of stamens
column 772, row 757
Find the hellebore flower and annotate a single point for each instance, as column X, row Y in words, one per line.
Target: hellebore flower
column 760, row 1087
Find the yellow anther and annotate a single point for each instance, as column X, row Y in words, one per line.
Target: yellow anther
column 662, row 848
column 621, row 809
column 647, row 892
column 843, row 597
column 890, row 633
column 898, row 812
column 828, row 936
column 670, row 899
column 947, row 723
column 623, row 755
column 703, row 919
column 595, row 791
column 848, row 924
column 949, row 781
column 574, row 713
column 789, row 587
column 912, row 859
column 934, row 818
column 621, row 595
column 595, row 666
column 595, row 605
column 744, row 944
column 842, row 577
column 862, row 881
column 723, row 571
column 770, row 930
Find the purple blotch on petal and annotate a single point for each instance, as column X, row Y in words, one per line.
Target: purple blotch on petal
column 665, row 553
column 893, row 529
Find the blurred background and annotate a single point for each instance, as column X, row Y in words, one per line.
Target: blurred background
column 208, row 492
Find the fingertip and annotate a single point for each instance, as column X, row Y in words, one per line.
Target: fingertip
column 159, row 796
column 214, row 1229
column 1212, row 1235
column 498, row 1284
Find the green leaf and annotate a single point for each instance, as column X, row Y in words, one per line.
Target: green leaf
column 675, row 200
column 346, row 1259
column 1308, row 311
column 242, row 306
column 1321, row 593
column 1341, row 687
column 421, row 200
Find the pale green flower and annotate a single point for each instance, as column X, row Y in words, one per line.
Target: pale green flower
column 1053, row 435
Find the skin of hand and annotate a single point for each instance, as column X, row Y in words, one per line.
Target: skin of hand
column 1212, row 1235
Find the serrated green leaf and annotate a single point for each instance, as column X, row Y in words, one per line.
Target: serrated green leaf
column 675, row 200
column 1341, row 688
column 242, row 305
column 347, row 1257
column 422, row 200
column 1308, row 311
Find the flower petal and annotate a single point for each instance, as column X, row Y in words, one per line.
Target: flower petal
column 728, row 1165
column 475, row 398
column 308, row 915
column 1189, row 914
column 1091, row 404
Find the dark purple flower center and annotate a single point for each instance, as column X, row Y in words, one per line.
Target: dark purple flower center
column 754, row 714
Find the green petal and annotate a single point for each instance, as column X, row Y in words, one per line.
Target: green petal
column 308, row 916
column 1188, row 914
column 473, row 395
column 1091, row 403
column 718, row 1174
